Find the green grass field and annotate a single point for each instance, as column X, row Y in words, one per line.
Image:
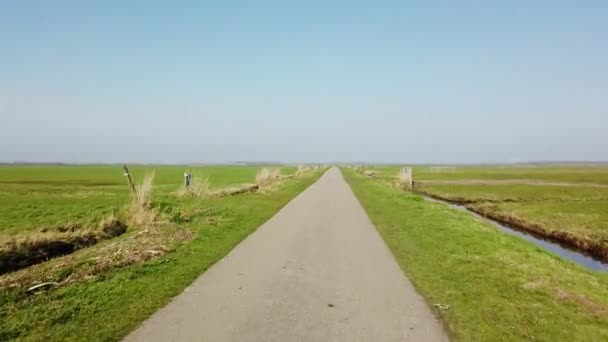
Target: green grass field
column 34, row 198
column 107, row 289
column 498, row 287
column 557, row 173
column 573, row 213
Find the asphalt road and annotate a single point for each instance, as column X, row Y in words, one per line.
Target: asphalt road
column 317, row 271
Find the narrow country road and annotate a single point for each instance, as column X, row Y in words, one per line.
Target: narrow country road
column 317, row 271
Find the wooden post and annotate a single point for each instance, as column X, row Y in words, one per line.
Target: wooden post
column 128, row 174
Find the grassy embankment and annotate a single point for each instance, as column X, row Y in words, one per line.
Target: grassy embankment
column 103, row 291
column 574, row 213
column 498, row 287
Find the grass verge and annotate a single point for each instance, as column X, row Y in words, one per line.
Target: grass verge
column 496, row 287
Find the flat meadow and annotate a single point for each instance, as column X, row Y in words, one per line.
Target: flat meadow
column 34, row 198
column 83, row 259
column 593, row 173
column 566, row 203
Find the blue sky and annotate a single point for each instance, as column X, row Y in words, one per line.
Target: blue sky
column 377, row 81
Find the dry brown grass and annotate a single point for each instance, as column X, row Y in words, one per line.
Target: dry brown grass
column 237, row 190
column 302, row 169
column 200, row 187
column 140, row 212
column 369, row 173
column 143, row 194
column 404, row 179
column 267, row 176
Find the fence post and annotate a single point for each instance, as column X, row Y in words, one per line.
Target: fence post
column 128, row 174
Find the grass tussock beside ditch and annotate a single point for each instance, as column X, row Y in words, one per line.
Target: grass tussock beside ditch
column 236, row 190
column 497, row 287
column 303, row 169
column 140, row 212
column 404, row 179
column 267, row 176
column 199, row 186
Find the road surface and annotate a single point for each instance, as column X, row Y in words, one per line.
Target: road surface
column 317, row 271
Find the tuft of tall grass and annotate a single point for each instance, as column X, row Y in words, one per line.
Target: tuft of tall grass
column 361, row 169
column 143, row 195
column 200, row 186
column 369, row 173
column 302, row 169
column 404, row 179
column 140, row 210
column 267, row 176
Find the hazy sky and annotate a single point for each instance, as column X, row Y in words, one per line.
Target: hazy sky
column 378, row 81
